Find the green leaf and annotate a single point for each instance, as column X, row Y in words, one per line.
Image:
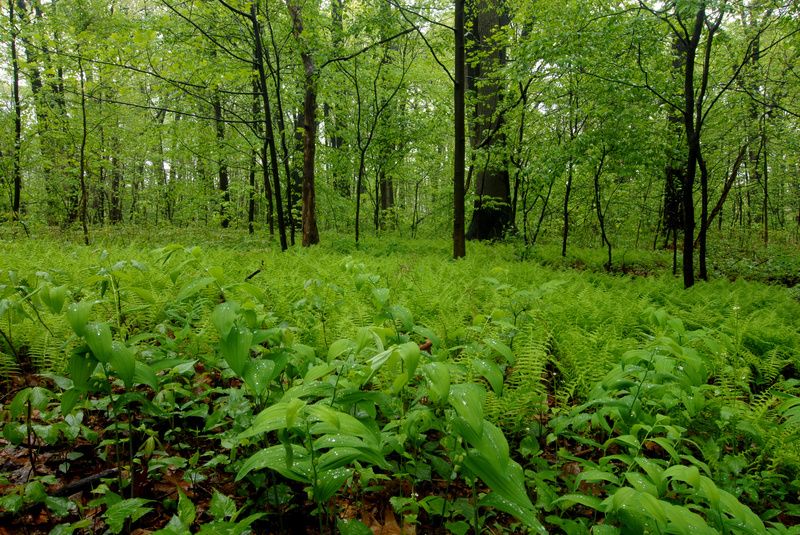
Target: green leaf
column 54, row 297
column 235, row 348
column 336, row 422
column 502, row 349
column 270, row 419
column 339, row 347
column 438, row 377
column 491, row 371
column 527, row 516
column 145, row 375
column 329, row 482
column 194, row 287
column 352, row 527
column 98, row 337
column 186, row 509
column 258, row 375
column 80, row 369
column 14, row 433
column 221, row 506
column 296, row 467
column 467, row 400
column 123, row 362
column 132, row 508
column 78, row 316
column 69, row 399
column 224, row 316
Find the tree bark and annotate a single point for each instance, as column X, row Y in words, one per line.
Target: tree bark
column 16, row 171
column 222, row 165
column 459, row 151
column 269, row 135
column 310, row 231
column 492, row 210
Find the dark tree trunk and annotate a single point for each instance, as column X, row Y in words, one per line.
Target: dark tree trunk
column 492, row 209
column 291, row 179
column 459, row 151
column 222, row 165
column 310, row 231
column 599, row 205
column 269, row 135
column 16, row 171
column 565, row 211
column 82, row 163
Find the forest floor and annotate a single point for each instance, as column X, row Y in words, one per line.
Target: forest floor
column 141, row 382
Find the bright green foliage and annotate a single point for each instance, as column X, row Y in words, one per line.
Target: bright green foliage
column 547, row 399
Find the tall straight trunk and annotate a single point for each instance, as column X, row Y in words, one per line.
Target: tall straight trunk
column 262, row 152
column 251, row 193
column 16, row 171
column 459, row 151
column 765, row 182
column 691, row 122
column 599, row 205
column 565, row 211
column 222, row 164
column 82, row 162
column 275, row 71
column 310, row 231
column 492, row 208
column 341, row 182
column 269, row 134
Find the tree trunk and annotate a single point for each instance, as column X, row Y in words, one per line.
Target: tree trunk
column 459, row 151
column 310, row 231
column 222, row 165
column 16, row 171
column 269, row 135
column 82, row 163
column 492, row 209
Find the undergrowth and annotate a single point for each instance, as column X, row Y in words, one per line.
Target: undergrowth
column 325, row 379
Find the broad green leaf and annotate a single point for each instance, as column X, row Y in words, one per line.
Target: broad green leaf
column 270, row 419
column 352, row 527
column 338, row 348
column 638, row 508
column 491, row 372
column 527, row 516
column 331, row 421
column 502, row 349
column 568, row 500
column 275, row 458
column 145, row 375
column 329, row 482
column 684, row 520
column 438, row 376
column 78, row 316
column 224, row 316
column 194, row 287
column 258, row 374
column 98, row 337
column 131, row 509
column 467, row 400
column 123, row 362
column 318, row 371
column 80, row 368
column 186, row 509
column 221, row 506
column 507, row 481
column 53, row 297
column 235, row 348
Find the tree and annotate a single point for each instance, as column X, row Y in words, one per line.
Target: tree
column 485, row 58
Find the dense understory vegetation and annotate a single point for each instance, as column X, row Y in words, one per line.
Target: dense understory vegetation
column 152, row 384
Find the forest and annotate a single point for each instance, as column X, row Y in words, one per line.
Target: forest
column 399, row 266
